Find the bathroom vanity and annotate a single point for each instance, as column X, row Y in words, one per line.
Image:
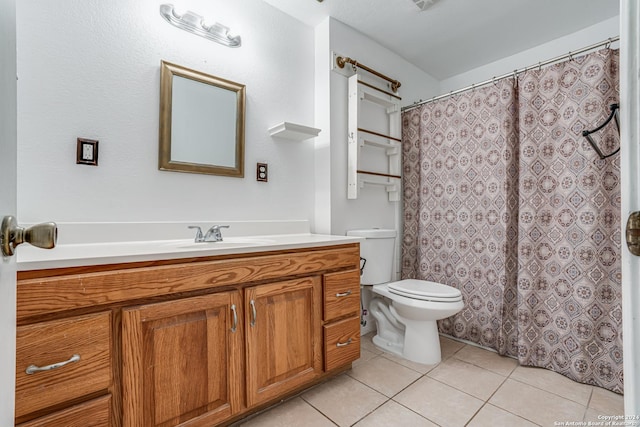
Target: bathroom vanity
column 183, row 337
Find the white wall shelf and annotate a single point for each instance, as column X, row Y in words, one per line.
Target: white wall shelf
column 293, row 132
column 360, row 138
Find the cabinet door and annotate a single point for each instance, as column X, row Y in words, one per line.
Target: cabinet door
column 284, row 337
column 182, row 361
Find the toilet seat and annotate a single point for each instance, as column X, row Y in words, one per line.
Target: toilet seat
column 425, row 291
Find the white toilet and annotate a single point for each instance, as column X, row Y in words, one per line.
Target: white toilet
column 405, row 311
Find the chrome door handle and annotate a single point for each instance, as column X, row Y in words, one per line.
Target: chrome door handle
column 344, row 344
column 42, row 235
column 343, row 294
column 253, row 312
column 234, row 326
column 32, row 369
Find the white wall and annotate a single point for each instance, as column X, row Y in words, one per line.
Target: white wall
column 588, row 36
column 323, row 169
column 91, row 68
column 373, row 208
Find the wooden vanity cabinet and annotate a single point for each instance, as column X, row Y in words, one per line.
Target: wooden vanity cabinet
column 197, row 342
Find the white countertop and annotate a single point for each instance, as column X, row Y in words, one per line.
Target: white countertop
column 87, row 254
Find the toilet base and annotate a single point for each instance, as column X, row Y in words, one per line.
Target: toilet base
column 421, row 343
column 387, row 345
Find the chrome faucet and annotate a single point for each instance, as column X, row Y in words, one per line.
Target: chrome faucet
column 212, row 235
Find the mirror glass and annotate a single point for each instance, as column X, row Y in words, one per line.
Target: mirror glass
column 201, row 122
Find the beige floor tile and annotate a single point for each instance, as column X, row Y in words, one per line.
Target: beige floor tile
column 439, row 403
column 383, row 375
column 553, row 382
column 289, row 414
column 487, row 359
column 606, row 402
column 538, row 406
column 449, row 347
column 418, row 367
column 366, row 342
column 344, row 400
column 490, row 416
column 365, row 355
column 593, row 415
column 471, row 379
column 393, row 414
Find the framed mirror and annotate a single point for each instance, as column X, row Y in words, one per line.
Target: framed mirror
column 201, row 122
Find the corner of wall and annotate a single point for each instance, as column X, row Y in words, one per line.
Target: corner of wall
column 322, row 145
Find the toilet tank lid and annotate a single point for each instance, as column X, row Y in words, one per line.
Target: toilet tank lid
column 373, row 233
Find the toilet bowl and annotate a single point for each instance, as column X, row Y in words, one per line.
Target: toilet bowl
column 418, row 311
column 406, row 311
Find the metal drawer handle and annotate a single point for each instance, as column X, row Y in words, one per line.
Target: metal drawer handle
column 234, row 326
column 343, row 344
column 32, row 369
column 253, row 312
column 343, row 294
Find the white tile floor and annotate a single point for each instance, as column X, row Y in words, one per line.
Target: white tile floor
column 470, row 387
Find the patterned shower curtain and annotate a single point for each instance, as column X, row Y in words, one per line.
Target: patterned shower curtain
column 506, row 201
column 460, row 181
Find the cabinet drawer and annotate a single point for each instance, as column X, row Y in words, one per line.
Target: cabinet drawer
column 341, row 343
column 341, row 294
column 48, row 343
column 95, row 413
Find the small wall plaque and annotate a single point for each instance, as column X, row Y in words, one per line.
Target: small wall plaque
column 87, row 152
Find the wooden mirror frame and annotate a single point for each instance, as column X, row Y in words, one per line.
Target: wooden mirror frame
column 167, row 72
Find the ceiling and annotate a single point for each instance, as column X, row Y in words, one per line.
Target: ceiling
column 454, row 36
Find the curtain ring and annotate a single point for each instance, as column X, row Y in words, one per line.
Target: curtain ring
column 493, row 80
column 539, row 66
column 570, row 56
column 608, row 46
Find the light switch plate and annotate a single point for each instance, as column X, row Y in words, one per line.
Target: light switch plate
column 87, row 152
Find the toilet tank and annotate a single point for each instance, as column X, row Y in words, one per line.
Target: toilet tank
column 377, row 249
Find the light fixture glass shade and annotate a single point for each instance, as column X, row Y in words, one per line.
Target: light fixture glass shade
column 194, row 23
column 424, row 4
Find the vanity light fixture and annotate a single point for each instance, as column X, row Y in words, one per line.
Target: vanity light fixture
column 194, row 23
column 424, row 4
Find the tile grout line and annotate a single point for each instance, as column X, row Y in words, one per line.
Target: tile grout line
column 486, row 402
column 553, row 393
column 392, row 397
column 588, row 404
column 355, row 379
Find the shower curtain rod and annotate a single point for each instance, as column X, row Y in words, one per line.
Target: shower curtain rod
column 514, row 73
